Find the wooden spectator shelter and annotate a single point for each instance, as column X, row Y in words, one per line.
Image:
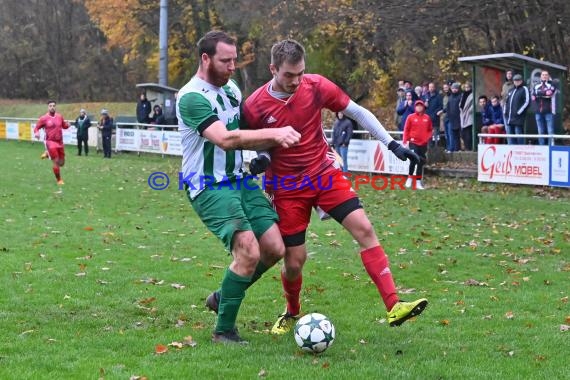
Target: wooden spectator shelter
column 164, row 96
column 488, row 76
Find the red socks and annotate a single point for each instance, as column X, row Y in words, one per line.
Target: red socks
column 56, row 172
column 376, row 263
column 292, row 291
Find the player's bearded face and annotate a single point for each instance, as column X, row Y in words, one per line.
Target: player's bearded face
column 51, row 108
column 222, row 65
column 287, row 78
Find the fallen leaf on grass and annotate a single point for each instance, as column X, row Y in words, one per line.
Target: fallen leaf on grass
column 444, row 322
column 564, row 328
column 137, row 377
column 509, row 315
column 189, row 341
column 146, row 301
column 160, row 349
column 88, row 228
column 262, row 373
column 177, row 286
column 152, row 281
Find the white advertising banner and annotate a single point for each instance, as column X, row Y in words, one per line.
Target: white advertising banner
column 170, row 143
column 127, row 139
column 139, row 140
column 12, row 130
column 70, row 135
column 522, row 164
column 372, row 156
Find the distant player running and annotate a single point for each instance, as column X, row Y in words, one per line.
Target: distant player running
column 53, row 123
column 296, row 99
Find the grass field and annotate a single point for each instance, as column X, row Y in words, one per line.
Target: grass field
column 95, row 278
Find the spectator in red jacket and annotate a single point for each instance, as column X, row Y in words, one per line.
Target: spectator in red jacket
column 417, row 133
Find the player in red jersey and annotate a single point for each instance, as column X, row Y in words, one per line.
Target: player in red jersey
column 296, row 99
column 53, row 123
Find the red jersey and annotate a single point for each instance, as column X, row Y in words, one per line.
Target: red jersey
column 302, row 111
column 418, row 129
column 52, row 126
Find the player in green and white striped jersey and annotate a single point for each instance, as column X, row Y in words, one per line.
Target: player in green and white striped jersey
column 208, row 110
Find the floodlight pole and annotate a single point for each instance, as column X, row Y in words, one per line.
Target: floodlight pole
column 163, row 44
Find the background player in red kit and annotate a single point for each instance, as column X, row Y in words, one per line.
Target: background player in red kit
column 296, row 99
column 53, row 123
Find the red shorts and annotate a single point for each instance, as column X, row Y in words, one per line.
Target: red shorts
column 294, row 200
column 55, row 150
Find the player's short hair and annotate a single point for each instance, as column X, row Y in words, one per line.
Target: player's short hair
column 289, row 51
column 209, row 42
column 51, row 101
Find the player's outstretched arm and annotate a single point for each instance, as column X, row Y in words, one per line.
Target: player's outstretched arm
column 369, row 122
column 259, row 139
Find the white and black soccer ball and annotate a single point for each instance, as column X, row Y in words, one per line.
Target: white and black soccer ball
column 314, row 333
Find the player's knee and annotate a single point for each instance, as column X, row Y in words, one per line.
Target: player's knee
column 275, row 252
column 246, row 248
column 294, row 264
column 365, row 231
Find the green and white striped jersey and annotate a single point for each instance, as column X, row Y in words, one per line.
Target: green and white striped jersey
column 198, row 105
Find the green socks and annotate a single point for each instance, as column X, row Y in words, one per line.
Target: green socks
column 232, row 294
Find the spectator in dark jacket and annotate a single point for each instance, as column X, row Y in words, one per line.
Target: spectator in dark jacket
column 342, row 133
column 106, row 127
column 405, row 109
column 143, row 109
column 454, row 116
column 516, row 106
column 434, row 103
column 82, row 124
column 157, row 116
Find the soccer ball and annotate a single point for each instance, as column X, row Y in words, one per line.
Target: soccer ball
column 314, row 333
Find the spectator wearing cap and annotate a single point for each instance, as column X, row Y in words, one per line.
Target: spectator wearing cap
column 82, row 124
column 417, row 135
column 401, row 98
column 454, row 116
column 408, row 86
column 434, row 108
column 106, row 127
column 406, row 108
column 466, row 107
column 544, row 97
column 516, row 106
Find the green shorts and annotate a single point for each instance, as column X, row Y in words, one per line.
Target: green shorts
column 226, row 211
